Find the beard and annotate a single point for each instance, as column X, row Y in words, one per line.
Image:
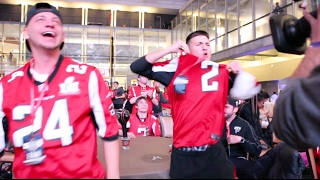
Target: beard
column 227, row 116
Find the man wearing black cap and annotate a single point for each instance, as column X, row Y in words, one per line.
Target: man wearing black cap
column 54, row 123
column 239, row 139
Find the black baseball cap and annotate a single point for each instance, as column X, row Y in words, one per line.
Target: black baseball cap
column 233, row 102
column 39, row 8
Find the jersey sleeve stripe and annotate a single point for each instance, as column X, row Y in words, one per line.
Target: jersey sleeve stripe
column 2, row 135
column 166, row 66
column 96, row 105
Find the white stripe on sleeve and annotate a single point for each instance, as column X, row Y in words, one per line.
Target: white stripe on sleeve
column 96, row 105
column 2, row 133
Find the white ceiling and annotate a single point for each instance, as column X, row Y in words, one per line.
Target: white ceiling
column 151, row 6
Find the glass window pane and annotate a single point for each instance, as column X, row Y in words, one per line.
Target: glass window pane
column 9, row 48
column 232, row 21
column 245, row 19
column 211, row 23
column 203, row 16
column 73, row 42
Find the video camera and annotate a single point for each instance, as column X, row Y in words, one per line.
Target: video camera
column 289, row 34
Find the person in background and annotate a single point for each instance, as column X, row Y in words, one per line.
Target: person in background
column 165, row 96
column 242, row 145
column 296, row 117
column 239, row 138
column 142, row 89
column 54, row 123
column 195, row 84
column 110, row 91
column 119, row 95
column 157, row 110
column 274, row 96
column 249, row 111
column 10, row 58
column 142, row 123
column 278, row 9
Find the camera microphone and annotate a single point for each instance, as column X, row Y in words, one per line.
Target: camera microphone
column 289, row 34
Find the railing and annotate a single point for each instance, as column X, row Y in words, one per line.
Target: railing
column 249, row 23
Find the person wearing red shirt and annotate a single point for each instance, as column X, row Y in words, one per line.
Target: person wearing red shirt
column 142, row 89
column 54, row 123
column 198, row 90
column 110, row 92
column 165, row 96
column 142, row 123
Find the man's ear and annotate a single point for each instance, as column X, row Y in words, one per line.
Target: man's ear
column 235, row 109
column 25, row 33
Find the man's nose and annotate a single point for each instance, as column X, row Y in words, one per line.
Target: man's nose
column 49, row 23
column 204, row 47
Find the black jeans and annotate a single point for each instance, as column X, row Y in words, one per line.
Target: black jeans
column 213, row 163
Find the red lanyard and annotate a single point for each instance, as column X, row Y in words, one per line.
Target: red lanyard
column 34, row 107
column 228, row 130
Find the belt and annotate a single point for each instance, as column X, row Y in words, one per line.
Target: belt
column 194, row 148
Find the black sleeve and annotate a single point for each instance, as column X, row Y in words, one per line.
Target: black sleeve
column 232, row 76
column 246, row 114
column 252, row 143
column 142, row 67
column 296, row 118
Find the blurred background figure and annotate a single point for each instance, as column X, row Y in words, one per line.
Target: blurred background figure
column 142, row 89
column 157, row 110
column 142, row 123
column 119, row 96
column 277, row 9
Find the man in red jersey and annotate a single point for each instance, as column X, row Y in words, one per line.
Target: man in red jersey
column 142, row 89
column 54, row 123
column 142, row 123
column 198, row 90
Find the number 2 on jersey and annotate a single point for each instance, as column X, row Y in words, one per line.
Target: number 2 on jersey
column 207, row 76
column 57, row 126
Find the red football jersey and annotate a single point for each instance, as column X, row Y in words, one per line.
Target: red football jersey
column 136, row 91
column 138, row 127
column 165, row 95
column 74, row 110
column 198, row 114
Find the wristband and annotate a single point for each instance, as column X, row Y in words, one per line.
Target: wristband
column 315, row 44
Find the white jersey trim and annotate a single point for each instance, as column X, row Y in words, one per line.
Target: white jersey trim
column 170, row 67
column 96, row 105
column 2, row 133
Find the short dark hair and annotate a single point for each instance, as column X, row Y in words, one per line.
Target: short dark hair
column 197, row 33
column 140, row 98
column 116, row 82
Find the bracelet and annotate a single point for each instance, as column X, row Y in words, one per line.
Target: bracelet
column 315, row 44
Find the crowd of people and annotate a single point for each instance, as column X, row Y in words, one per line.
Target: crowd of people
column 217, row 133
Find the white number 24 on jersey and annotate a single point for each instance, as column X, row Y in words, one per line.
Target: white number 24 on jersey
column 57, row 125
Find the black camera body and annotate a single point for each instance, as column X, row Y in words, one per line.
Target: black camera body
column 290, row 34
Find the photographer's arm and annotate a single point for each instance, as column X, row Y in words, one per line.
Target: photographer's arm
column 308, row 63
column 296, row 118
column 312, row 55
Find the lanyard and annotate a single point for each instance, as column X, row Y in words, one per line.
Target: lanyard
column 228, row 129
column 34, row 107
column 228, row 135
